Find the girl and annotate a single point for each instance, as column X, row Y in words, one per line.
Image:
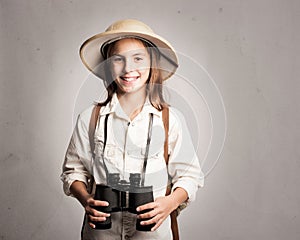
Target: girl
column 128, row 135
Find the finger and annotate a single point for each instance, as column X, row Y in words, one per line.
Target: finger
column 97, row 203
column 146, row 206
column 96, row 213
column 157, row 225
column 96, row 219
column 150, row 221
column 101, row 203
column 92, row 225
column 149, row 214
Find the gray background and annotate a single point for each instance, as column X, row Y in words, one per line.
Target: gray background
column 249, row 47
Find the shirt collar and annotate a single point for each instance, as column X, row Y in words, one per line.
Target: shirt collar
column 114, row 107
column 148, row 108
column 111, row 106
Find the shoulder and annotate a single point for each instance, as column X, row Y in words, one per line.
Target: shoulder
column 176, row 119
column 84, row 117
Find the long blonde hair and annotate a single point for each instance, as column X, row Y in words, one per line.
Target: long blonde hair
column 154, row 82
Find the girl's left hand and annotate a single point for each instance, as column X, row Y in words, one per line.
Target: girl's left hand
column 161, row 208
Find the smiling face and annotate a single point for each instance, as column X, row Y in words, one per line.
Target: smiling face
column 130, row 65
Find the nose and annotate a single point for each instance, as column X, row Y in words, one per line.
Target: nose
column 129, row 66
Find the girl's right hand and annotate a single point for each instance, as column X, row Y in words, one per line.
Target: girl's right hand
column 92, row 213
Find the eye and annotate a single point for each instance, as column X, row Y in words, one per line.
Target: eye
column 117, row 59
column 138, row 59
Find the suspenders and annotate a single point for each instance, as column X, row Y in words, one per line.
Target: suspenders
column 165, row 118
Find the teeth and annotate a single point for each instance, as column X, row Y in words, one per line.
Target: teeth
column 129, row 79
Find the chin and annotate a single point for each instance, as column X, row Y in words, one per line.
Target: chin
column 133, row 90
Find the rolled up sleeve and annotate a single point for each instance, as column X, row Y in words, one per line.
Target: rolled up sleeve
column 184, row 168
column 78, row 157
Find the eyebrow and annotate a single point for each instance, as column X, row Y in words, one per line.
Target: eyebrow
column 139, row 53
column 135, row 54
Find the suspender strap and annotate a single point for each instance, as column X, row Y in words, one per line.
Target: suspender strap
column 173, row 215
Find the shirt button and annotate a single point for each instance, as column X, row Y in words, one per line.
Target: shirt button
column 132, row 124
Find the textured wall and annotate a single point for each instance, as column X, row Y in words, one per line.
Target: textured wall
column 250, row 48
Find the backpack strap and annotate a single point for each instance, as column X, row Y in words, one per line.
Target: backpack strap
column 165, row 118
column 92, row 128
column 93, row 125
column 91, row 132
column 173, row 215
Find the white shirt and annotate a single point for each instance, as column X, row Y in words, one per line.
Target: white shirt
column 125, row 150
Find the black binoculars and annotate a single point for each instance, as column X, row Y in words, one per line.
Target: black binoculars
column 123, row 196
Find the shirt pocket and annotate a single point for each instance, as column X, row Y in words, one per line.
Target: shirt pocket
column 98, row 151
column 153, row 153
column 155, row 161
column 157, row 173
column 113, row 157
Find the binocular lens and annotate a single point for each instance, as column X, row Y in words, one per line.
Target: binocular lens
column 144, row 228
column 106, row 193
column 103, row 225
column 140, row 197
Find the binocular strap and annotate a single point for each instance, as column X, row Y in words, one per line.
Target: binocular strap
column 146, row 152
column 147, row 149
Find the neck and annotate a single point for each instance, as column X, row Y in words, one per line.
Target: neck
column 132, row 103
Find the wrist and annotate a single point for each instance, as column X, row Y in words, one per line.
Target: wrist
column 179, row 196
column 79, row 191
column 84, row 199
column 173, row 203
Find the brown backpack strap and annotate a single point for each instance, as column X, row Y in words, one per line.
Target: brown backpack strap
column 174, row 224
column 165, row 118
column 92, row 128
column 91, row 132
column 93, row 125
